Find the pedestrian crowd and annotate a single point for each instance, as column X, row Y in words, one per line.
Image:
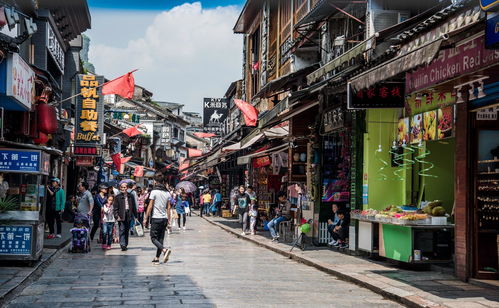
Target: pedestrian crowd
column 113, row 211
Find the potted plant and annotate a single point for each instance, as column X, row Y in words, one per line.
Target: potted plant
column 8, row 203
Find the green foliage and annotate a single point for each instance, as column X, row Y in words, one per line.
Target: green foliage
column 8, row 203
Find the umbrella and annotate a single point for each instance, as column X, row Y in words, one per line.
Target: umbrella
column 188, row 187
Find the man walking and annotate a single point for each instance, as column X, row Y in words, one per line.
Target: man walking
column 56, row 200
column 124, row 208
column 159, row 209
column 86, row 203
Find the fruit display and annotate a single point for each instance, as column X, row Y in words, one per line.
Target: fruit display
column 428, row 209
column 417, row 128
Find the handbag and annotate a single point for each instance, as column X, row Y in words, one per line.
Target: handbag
column 187, row 209
column 138, row 228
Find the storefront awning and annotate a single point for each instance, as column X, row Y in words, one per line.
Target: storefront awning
column 243, row 160
column 285, row 82
column 279, row 131
column 419, row 56
column 233, row 147
column 339, row 61
column 251, row 139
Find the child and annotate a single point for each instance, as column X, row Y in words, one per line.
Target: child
column 180, row 207
column 108, row 222
column 253, row 214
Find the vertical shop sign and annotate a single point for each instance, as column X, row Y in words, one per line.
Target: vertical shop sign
column 215, row 111
column 15, row 240
column 55, row 48
column 19, row 82
column 89, row 111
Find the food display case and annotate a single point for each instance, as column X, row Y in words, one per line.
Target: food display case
column 23, row 179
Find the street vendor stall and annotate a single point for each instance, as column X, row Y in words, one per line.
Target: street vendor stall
column 23, row 179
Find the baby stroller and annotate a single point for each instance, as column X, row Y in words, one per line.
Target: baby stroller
column 79, row 236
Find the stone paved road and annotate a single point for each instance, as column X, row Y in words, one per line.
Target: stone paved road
column 208, row 268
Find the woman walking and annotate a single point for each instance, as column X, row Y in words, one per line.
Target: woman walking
column 243, row 205
column 100, row 199
column 141, row 197
column 108, row 221
column 180, row 206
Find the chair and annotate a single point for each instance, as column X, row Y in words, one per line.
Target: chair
column 286, row 231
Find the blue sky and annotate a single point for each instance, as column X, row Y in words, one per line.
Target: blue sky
column 184, row 51
column 155, row 4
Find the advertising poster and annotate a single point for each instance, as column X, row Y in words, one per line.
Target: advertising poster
column 417, row 128
column 445, row 122
column 430, row 125
column 403, row 131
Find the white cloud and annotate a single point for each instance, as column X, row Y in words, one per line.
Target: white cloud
column 183, row 55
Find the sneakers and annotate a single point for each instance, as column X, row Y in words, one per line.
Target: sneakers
column 243, row 233
column 343, row 245
column 104, row 247
column 168, row 230
column 183, row 228
column 50, row 236
column 275, row 238
column 332, row 243
column 336, row 244
column 108, row 247
column 253, row 233
column 167, row 255
column 58, row 236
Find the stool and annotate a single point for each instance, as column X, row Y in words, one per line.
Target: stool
column 285, row 233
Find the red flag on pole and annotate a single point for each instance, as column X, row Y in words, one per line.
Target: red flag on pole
column 194, row 152
column 249, row 112
column 204, row 135
column 132, row 131
column 122, row 86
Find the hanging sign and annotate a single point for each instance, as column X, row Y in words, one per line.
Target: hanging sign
column 489, row 114
column 85, row 161
column 382, row 95
column 488, row 5
column 89, row 111
column 215, row 111
column 15, row 240
column 17, row 89
column 20, row 160
column 422, row 102
column 492, row 31
column 55, row 48
column 261, row 161
column 333, row 119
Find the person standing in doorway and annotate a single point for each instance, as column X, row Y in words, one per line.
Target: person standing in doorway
column 100, row 199
column 159, row 210
column 56, row 199
column 124, row 209
column 86, row 203
column 243, row 206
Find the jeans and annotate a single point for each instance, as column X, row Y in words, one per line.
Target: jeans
column 244, row 217
column 183, row 216
column 206, row 206
column 274, row 223
column 96, row 221
column 340, row 235
column 140, row 218
column 107, row 233
column 218, row 206
column 51, row 216
column 158, row 228
column 124, row 230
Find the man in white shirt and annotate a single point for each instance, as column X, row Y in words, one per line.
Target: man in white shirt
column 159, row 210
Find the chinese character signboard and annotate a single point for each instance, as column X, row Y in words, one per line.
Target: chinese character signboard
column 89, row 111
column 383, row 95
column 215, row 113
column 55, row 48
column 15, row 240
column 17, row 89
column 20, row 160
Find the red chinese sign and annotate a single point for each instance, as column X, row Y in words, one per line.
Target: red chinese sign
column 261, row 162
column 463, row 59
column 383, row 95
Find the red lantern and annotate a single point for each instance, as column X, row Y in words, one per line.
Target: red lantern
column 47, row 118
column 42, row 138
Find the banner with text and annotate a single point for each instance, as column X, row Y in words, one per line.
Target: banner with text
column 89, row 111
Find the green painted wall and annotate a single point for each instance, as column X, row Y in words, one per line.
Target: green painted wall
column 441, row 188
column 381, row 127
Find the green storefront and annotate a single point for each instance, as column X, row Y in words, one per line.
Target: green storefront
column 408, row 165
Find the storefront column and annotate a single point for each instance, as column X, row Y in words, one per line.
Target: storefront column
column 462, row 213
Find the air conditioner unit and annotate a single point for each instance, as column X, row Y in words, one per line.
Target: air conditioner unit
column 383, row 19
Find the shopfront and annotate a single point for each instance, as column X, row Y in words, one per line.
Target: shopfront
column 23, row 180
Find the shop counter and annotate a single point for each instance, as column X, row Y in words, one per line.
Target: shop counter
column 409, row 243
